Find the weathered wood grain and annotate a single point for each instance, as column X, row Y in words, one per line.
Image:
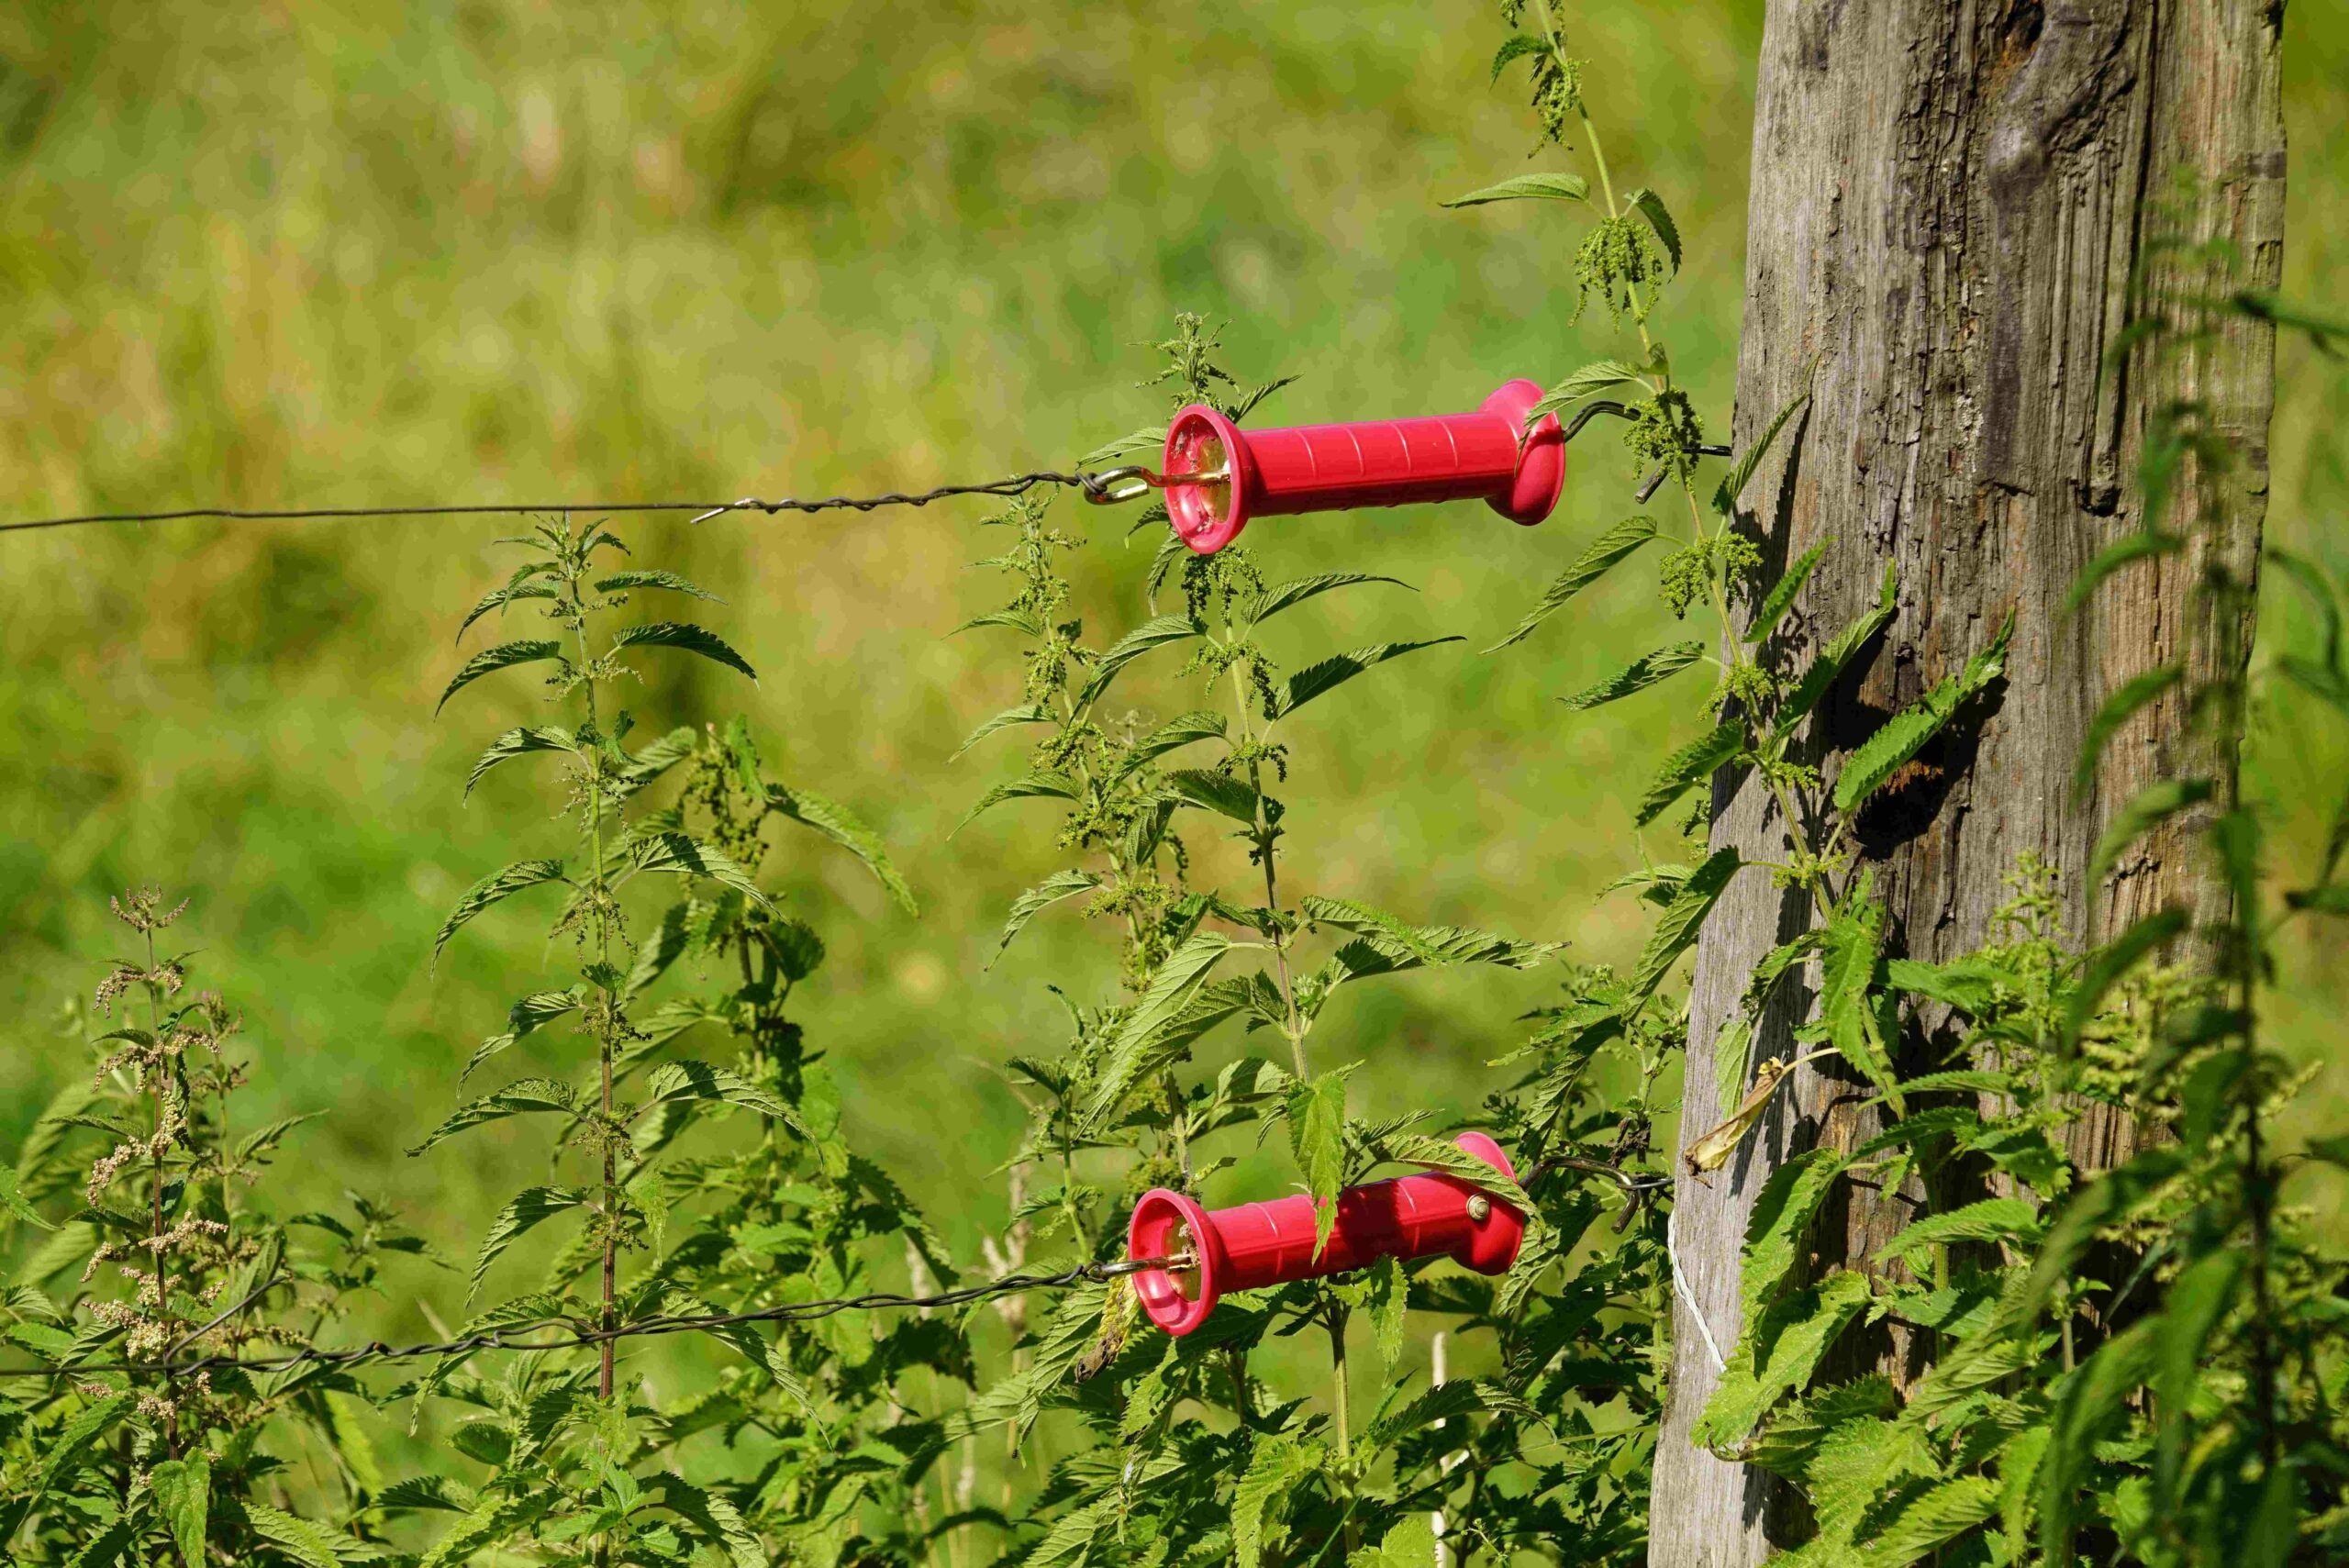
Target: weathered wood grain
column 1947, row 204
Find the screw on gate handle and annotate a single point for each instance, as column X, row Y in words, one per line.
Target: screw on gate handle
column 1185, row 1257
column 1218, row 476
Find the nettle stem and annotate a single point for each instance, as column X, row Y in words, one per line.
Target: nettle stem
column 607, row 1018
column 1263, row 839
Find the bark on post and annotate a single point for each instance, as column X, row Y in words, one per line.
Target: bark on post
column 1948, row 202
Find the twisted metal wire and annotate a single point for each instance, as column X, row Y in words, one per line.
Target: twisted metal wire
column 497, row 1339
column 1018, row 484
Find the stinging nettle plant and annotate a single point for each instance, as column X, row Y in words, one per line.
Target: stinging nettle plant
column 580, row 1468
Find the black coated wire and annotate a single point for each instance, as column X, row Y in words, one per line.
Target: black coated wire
column 644, row 1328
column 1017, row 485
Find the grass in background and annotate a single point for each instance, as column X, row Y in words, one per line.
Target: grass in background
column 492, row 250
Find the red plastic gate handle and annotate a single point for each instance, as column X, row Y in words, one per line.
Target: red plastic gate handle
column 1387, row 463
column 1260, row 1244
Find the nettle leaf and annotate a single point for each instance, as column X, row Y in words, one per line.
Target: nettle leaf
column 662, row 946
column 518, row 742
column 2123, row 704
column 1649, row 205
column 1636, row 677
column 528, row 1208
column 1783, row 1211
column 1387, row 1295
column 1021, row 621
column 1847, row 1011
column 1314, row 679
column 1780, row 1350
column 1463, row 1398
column 2145, row 811
column 1529, row 187
column 1039, row 784
column 1026, row 713
column 656, row 759
column 836, row 822
column 682, row 854
column 1437, row 1153
column 620, row 582
column 1218, row 792
column 183, row 1493
column 1689, row 766
column 1176, row 733
column 1161, row 631
column 1590, row 380
column 1407, row 946
column 681, row 1081
column 1132, row 1052
column 689, row 638
column 1781, row 597
column 1275, row 1467
column 715, row 1518
column 504, row 656
column 1677, row 927
column 1732, row 485
column 522, row 585
column 1992, row 1220
column 1037, row 900
column 1316, row 1113
column 12, row 1201
column 1601, row 556
column 521, row 1097
column 1934, row 1520
column 1289, row 594
column 1841, row 650
column 494, row 888
column 1903, row 735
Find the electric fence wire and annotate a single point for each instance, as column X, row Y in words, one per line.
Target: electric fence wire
column 499, row 1338
column 1018, row 484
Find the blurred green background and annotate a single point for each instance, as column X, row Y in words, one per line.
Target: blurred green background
column 282, row 255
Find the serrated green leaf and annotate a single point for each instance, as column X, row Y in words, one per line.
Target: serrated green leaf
column 1732, row 485
column 1289, row 594
column 1689, row 766
column 1778, row 1351
column 1276, row 1465
column 1602, row 555
column 1218, row 792
column 1841, row 650
column 1407, row 946
column 1649, row 205
column 524, row 1212
column 1131, row 1053
column 1528, row 187
column 12, row 1201
column 494, row 888
column 1903, row 735
column 1317, row 1137
column 1315, row 679
column 518, row 742
column 524, row 1097
column 1781, row 597
column 1043, row 895
column 1461, row 1397
column 504, row 656
column 183, row 1491
column 1592, row 379
column 1677, row 927
column 1990, row 1219
column 305, row 1540
column 836, row 822
column 1038, row 784
column 682, row 854
column 522, row 585
column 690, row 639
column 1025, row 713
column 1636, row 677
column 1185, row 729
column 620, row 582
column 1161, row 631
column 1783, row 1211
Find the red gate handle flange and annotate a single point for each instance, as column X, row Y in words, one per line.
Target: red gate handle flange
column 1260, row 1244
column 1485, row 455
